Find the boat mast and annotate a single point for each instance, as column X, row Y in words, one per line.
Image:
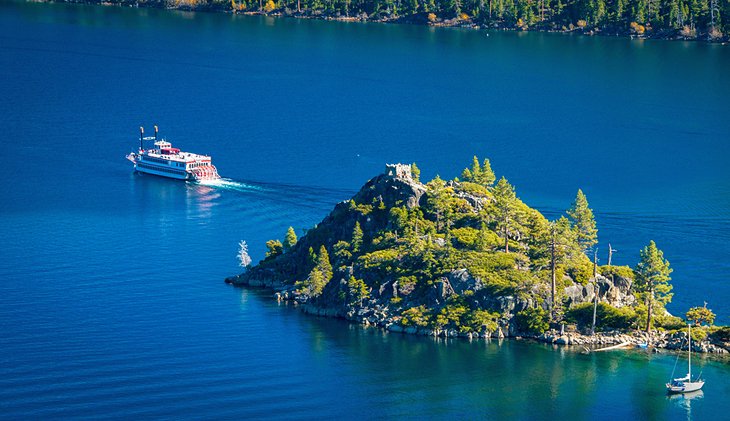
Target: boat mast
column 141, row 136
column 689, row 360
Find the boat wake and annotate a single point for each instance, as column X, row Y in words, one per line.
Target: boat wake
column 228, row 184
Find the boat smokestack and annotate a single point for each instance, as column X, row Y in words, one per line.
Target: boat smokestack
column 156, row 130
column 141, row 136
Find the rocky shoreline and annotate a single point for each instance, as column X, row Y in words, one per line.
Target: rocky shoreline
column 378, row 317
column 415, row 19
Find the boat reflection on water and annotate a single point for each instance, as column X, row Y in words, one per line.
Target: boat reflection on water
column 684, row 400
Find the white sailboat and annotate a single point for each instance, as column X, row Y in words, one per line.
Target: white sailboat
column 686, row 384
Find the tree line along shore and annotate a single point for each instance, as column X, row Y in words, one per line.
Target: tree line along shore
column 707, row 20
column 466, row 257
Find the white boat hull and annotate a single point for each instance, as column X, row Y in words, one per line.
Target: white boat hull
column 685, row 387
column 163, row 172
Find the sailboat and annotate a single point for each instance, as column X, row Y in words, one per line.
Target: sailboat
column 686, row 384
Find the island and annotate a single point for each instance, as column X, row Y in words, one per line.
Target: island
column 467, row 258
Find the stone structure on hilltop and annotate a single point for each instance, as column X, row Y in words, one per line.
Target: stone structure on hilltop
column 398, row 171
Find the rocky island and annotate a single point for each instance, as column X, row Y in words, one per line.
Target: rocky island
column 467, row 258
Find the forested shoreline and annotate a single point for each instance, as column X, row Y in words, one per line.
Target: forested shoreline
column 667, row 19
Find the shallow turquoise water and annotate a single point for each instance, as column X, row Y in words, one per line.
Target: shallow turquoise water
column 111, row 296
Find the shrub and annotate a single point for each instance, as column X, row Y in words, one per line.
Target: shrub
column 699, row 335
column 463, row 16
column 668, row 322
column 700, row 315
column 617, row 271
column 432, row 17
column 474, row 189
column 722, row 334
column 580, row 269
column 269, row 6
column 416, row 316
column 607, row 316
column 532, row 320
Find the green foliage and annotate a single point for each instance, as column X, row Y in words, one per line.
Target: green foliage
column 290, row 239
column 274, row 248
column 700, row 315
column 722, row 334
column 583, row 222
column 699, row 335
column 652, row 279
column 580, row 269
column 617, row 271
column 667, row 322
column 415, row 172
column 479, row 174
column 356, row 238
column 607, row 316
column 532, row 320
column 416, row 316
column 505, row 208
column 342, row 251
column 474, row 189
column 320, row 275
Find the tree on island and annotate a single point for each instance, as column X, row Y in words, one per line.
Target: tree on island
column 320, row 275
column 416, row 172
column 274, row 248
column 479, row 174
column 652, row 280
column 505, row 206
column 581, row 217
column 700, row 315
column 356, row 237
column 290, row 239
column 244, row 260
column 563, row 240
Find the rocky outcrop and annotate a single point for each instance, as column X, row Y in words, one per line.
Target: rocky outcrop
column 616, row 292
column 395, row 187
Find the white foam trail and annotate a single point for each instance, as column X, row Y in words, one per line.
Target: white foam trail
column 227, row 183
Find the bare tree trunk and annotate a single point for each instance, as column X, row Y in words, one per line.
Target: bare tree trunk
column 552, row 273
column 506, row 239
column 649, row 305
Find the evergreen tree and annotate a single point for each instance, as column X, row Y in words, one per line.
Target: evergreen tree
column 652, row 280
column 274, row 248
column 415, row 172
column 487, row 177
column 581, row 217
column 505, row 205
column 290, row 239
column 356, row 238
column 700, row 315
column 320, row 275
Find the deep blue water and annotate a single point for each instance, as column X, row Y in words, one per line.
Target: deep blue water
column 112, row 303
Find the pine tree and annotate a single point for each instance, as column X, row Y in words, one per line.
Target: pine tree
column 415, row 172
column 274, row 247
column 290, row 239
column 505, row 205
column 486, row 178
column 320, row 275
column 581, row 217
column 356, row 238
column 652, row 279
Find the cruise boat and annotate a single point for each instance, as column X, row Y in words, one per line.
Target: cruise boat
column 166, row 161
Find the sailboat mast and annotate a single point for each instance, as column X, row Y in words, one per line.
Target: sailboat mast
column 689, row 360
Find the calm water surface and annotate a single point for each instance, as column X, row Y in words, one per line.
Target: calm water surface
column 112, row 303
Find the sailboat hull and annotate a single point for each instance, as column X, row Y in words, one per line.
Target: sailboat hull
column 684, row 387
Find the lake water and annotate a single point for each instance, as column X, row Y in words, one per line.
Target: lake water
column 112, row 301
